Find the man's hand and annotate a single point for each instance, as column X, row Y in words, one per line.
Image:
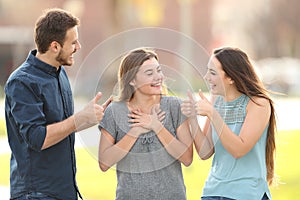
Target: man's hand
column 91, row 114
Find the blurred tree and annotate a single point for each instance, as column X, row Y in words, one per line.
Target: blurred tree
column 275, row 31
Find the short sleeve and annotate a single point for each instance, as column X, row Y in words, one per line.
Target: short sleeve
column 108, row 121
column 177, row 117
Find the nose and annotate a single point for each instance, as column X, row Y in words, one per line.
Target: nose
column 78, row 45
column 158, row 75
column 206, row 76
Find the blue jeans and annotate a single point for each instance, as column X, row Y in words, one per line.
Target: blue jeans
column 215, row 198
column 265, row 197
column 34, row 196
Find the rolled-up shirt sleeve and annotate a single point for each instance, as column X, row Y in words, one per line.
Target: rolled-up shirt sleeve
column 26, row 112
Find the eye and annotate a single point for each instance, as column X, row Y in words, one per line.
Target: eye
column 149, row 73
column 75, row 42
column 211, row 72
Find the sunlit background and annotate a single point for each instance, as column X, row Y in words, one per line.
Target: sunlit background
column 268, row 30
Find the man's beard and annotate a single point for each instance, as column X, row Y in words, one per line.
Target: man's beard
column 62, row 58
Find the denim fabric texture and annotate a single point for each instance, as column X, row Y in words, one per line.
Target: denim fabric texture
column 265, row 197
column 35, row 196
column 38, row 94
column 215, row 198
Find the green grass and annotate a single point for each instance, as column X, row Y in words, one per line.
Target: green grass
column 95, row 185
column 287, row 166
column 2, row 128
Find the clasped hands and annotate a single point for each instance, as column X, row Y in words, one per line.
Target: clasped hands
column 143, row 122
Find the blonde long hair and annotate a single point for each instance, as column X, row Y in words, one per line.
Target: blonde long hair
column 128, row 69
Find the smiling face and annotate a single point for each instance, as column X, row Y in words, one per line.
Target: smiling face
column 149, row 78
column 218, row 81
column 70, row 46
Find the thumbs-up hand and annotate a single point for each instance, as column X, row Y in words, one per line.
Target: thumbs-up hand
column 203, row 106
column 91, row 114
column 188, row 106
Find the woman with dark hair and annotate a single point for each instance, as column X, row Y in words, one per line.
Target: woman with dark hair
column 239, row 130
column 145, row 134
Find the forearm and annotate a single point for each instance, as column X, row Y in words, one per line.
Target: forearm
column 176, row 148
column 58, row 131
column 203, row 145
column 231, row 142
column 116, row 152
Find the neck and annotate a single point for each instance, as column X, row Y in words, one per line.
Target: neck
column 144, row 102
column 47, row 59
column 232, row 95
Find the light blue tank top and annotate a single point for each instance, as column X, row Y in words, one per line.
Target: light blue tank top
column 243, row 178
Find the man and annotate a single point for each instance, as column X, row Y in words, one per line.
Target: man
column 39, row 113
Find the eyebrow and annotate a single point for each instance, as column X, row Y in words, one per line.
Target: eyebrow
column 210, row 69
column 148, row 70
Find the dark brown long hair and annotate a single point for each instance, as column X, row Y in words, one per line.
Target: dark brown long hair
column 128, row 69
column 237, row 66
column 53, row 26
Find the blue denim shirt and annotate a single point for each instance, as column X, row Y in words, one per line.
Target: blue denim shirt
column 37, row 94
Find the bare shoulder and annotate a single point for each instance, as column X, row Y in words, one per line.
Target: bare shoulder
column 259, row 102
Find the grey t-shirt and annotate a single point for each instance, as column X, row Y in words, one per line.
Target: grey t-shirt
column 148, row 171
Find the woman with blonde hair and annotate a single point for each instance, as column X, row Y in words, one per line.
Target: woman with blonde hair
column 145, row 134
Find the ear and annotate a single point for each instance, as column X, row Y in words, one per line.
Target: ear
column 55, row 46
column 132, row 83
column 229, row 80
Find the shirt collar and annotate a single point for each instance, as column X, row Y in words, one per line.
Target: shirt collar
column 49, row 69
